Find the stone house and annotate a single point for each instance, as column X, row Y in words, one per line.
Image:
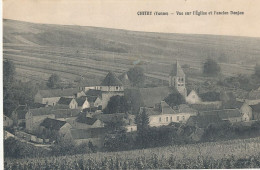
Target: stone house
column 52, row 96
column 18, row 115
column 83, row 102
column 86, row 121
column 68, row 102
column 58, row 127
column 7, row 121
column 34, row 118
column 166, row 115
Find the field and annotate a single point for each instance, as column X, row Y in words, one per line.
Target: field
column 226, row 154
column 73, row 52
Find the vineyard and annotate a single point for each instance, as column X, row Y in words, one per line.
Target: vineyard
column 226, row 154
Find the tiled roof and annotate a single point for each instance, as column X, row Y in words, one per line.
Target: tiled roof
column 81, row 100
column 111, row 80
column 92, row 92
column 86, row 120
column 177, row 70
column 65, row 101
column 92, row 98
column 52, row 124
column 210, row 96
column 58, row 92
column 151, row 111
column 41, row 111
column 65, row 113
column 37, row 105
column 166, row 109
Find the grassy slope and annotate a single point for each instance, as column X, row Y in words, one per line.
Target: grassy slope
column 74, row 51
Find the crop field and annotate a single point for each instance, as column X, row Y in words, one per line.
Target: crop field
column 38, row 50
column 242, row 153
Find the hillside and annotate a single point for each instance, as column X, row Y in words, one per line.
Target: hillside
column 39, row 50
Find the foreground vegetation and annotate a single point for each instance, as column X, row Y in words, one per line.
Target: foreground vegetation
column 227, row 154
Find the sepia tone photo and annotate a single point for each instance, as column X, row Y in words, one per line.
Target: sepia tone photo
column 131, row 84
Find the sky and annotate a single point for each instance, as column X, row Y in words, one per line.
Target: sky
column 123, row 15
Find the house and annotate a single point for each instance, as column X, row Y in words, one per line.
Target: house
column 67, row 115
column 61, row 128
column 193, row 98
column 256, row 111
column 231, row 115
column 177, row 79
column 95, row 102
column 244, row 108
column 110, row 86
column 166, row 115
column 34, row 118
column 68, row 102
column 146, row 97
column 7, row 121
column 18, row 115
column 83, row 102
column 94, row 135
column 52, row 96
column 203, row 121
column 86, row 121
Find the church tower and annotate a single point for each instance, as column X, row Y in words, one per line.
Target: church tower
column 177, row 79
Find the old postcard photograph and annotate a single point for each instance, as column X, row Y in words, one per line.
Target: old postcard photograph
column 132, row 84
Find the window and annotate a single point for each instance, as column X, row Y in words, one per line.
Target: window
column 171, row 119
column 116, row 87
column 131, row 129
column 160, row 119
column 166, row 119
column 183, row 117
column 177, row 118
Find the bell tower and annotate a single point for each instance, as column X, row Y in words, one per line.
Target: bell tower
column 177, row 79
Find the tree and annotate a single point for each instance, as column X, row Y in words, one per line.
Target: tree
column 142, row 121
column 211, row 67
column 8, row 72
column 116, row 104
column 54, row 81
column 257, row 70
column 174, row 99
column 136, row 76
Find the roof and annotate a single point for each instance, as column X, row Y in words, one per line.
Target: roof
column 234, row 105
column 111, row 80
column 204, row 120
column 58, row 92
column 81, row 100
column 21, row 111
column 86, row 120
column 52, row 124
column 255, row 108
column 37, row 105
column 65, row 101
column 148, row 96
column 65, row 113
column 166, row 109
column 92, row 98
column 210, row 96
column 177, row 70
column 206, row 107
column 41, row 111
column 92, row 92
column 184, row 108
column 124, row 79
column 151, row 111
column 225, row 113
column 109, row 117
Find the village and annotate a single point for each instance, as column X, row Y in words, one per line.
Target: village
column 78, row 113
